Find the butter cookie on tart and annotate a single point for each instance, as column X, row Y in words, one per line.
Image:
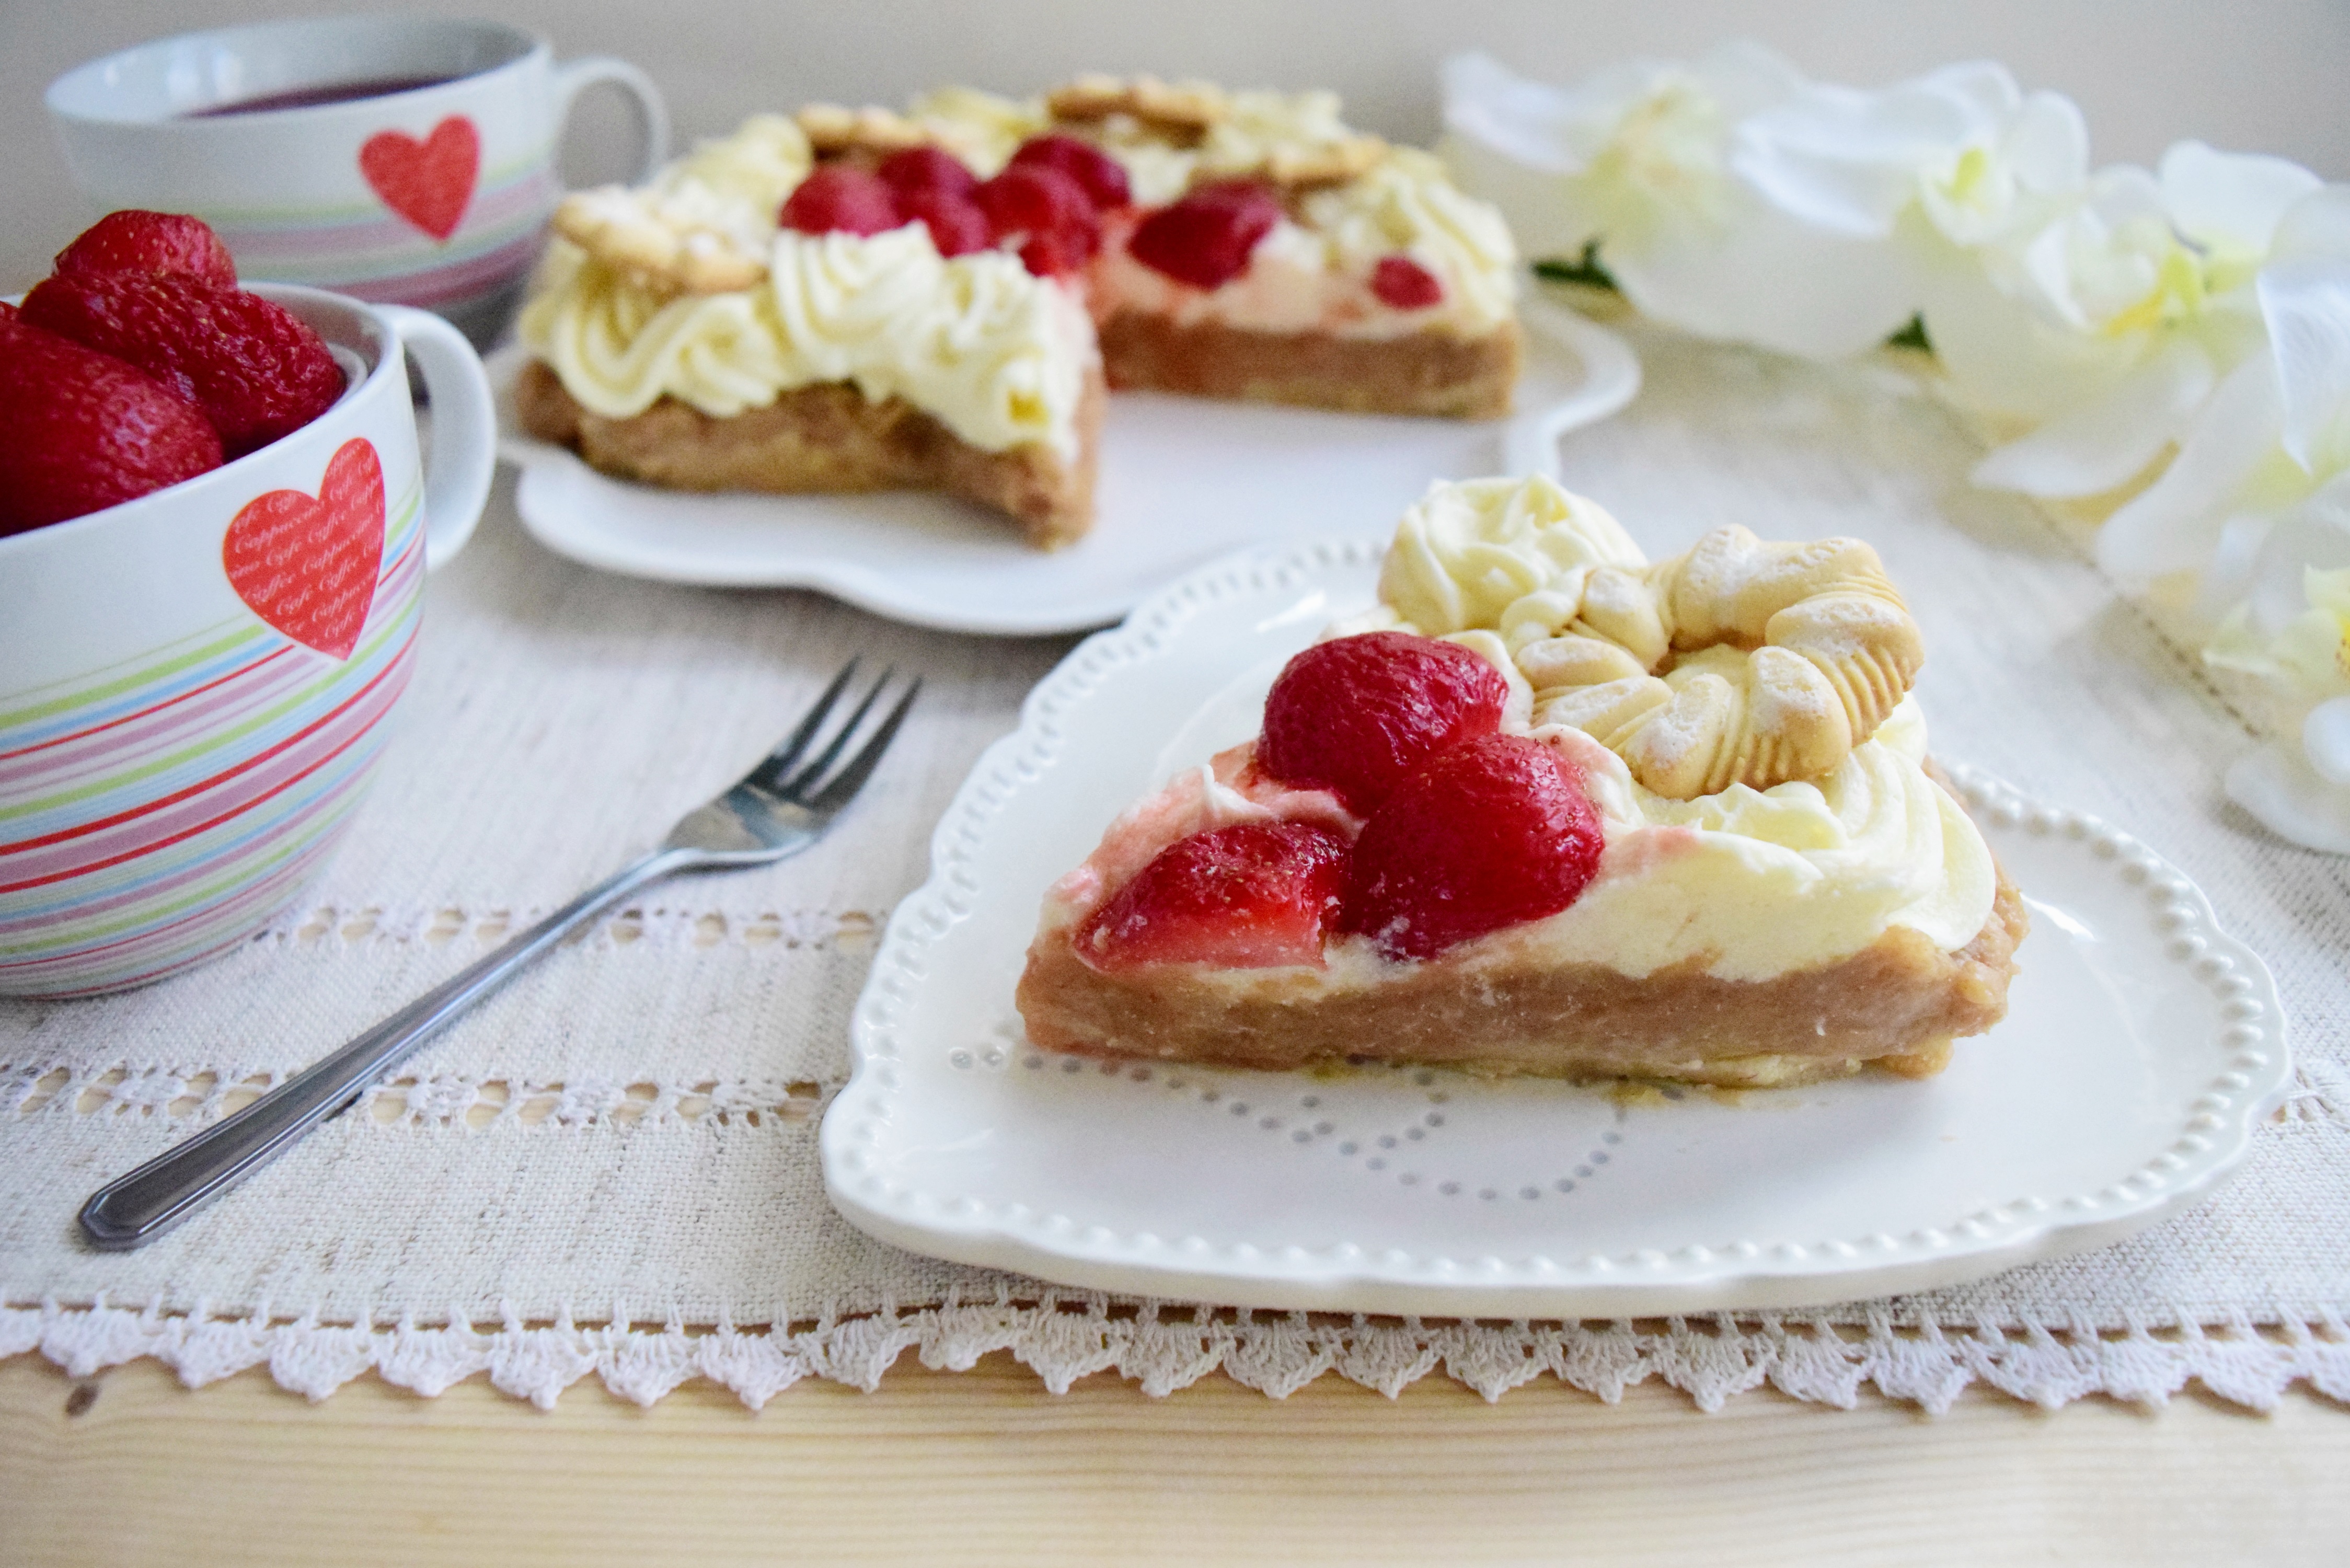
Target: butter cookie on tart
column 1550, row 809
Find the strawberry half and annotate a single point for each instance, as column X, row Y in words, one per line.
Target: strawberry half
column 256, row 370
column 1048, row 210
column 81, row 431
column 926, row 169
column 957, row 226
column 1357, row 714
column 1402, row 283
column 1251, row 895
column 1205, row 239
column 1102, row 176
column 149, row 244
column 840, row 198
column 1490, row 833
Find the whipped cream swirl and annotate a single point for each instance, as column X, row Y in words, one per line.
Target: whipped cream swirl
column 997, row 355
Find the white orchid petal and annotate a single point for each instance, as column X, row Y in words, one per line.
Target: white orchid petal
column 1768, row 280
column 2314, row 228
column 1545, row 214
column 2230, row 200
column 2316, row 533
column 2174, row 525
column 2047, row 262
column 2306, row 305
column 2123, row 193
column 2004, row 358
column 1746, row 78
column 1843, row 159
column 1501, row 113
column 2228, row 576
column 2291, row 798
column 2049, row 144
column 2326, row 739
column 2107, row 441
column 1860, row 200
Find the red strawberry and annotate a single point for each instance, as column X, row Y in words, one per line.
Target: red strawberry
column 1247, row 897
column 1491, row 832
column 1205, row 239
column 957, row 225
column 1058, row 252
column 1050, row 211
column 842, row 199
column 81, row 431
column 1405, row 283
column 926, row 169
column 1103, row 177
column 1357, row 715
column 1029, row 199
column 256, row 370
column 138, row 241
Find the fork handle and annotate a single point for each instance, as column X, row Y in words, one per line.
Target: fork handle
column 134, row 1209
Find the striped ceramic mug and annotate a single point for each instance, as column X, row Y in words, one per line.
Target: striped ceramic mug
column 193, row 685
column 406, row 160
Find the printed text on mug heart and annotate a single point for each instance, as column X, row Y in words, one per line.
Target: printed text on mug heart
column 307, row 564
column 428, row 183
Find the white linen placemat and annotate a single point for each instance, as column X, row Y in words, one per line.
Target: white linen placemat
column 612, row 1167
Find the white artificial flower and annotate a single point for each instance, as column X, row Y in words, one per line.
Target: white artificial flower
column 1964, row 148
column 2110, row 329
column 2258, row 502
column 2277, row 430
column 1639, row 158
column 2294, row 630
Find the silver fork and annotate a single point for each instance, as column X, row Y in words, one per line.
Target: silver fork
column 777, row 809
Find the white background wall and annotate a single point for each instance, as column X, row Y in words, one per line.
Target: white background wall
column 2258, row 75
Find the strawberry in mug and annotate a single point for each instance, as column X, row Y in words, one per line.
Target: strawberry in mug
column 139, row 363
column 215, row 524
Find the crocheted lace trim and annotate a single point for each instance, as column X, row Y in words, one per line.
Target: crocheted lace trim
column 361, row 926
column 453, row 1101
column 1064, row 1338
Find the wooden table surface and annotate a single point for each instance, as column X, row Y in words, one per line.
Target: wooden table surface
column 130, row 1468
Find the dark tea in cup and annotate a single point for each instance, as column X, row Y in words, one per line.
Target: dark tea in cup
column 315, row 97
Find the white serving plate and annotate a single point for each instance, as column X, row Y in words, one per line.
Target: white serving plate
column 2142, row 1046
column 1183, row 482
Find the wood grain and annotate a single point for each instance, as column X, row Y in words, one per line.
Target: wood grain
column 984, row 1467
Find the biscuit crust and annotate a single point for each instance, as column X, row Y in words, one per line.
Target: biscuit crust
column 1423, row 373
column 825, row 439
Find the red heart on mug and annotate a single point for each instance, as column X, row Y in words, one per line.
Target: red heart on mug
column 306, row 564
column 428, row 183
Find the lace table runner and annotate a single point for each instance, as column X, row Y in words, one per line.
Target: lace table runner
column 611, row 1168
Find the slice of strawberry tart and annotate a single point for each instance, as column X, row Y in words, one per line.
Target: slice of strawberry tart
column 1552, row 809
column 756, row 319
column 856, row 300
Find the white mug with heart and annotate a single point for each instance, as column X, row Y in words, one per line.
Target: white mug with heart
column 407, row 160
column 193, row 683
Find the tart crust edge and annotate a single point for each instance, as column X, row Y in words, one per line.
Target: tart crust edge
column 825, row 439
column 1896, row 1003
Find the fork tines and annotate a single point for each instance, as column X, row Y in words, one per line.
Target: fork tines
column 805, row 783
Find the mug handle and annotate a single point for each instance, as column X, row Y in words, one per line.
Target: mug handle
column 463, row 455
column 652, row 112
